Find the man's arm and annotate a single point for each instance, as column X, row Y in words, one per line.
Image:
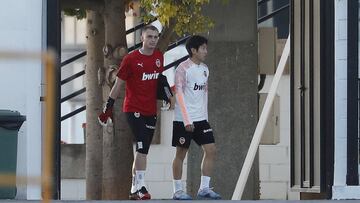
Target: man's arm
column 106, row 116
column 115, row 90
column 180, row 82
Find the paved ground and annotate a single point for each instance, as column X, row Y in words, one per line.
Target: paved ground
column 196, row 201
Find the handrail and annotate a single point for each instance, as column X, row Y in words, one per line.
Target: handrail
column 66, row 80
column 262, row 1
column 268, row 16
column 175, row 63
column 73, row 113
column 171, row 46
column 139, row 26
column 74, row 94
column 138, row 45
column 177, row 43
column 76, row 57
column 84, row 107
column 81, row 73
column 72, row 59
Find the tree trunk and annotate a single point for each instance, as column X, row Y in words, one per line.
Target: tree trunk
column 117, row 141
column 166, row 35
column 94, row 139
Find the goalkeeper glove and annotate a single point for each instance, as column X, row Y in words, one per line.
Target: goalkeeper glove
column 106, row 116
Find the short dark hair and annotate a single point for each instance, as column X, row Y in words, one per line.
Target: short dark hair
column 194, row 42
column 149, row 27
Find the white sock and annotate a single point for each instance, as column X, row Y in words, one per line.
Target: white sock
column 205, row 182
column 177, row 185
column 133, row 184
column 140, row 179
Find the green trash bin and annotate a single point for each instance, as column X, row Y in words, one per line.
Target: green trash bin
column 10, row 123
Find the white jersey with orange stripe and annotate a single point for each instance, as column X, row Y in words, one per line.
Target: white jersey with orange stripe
column 191, row 87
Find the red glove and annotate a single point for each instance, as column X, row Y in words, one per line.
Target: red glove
column 106, row 116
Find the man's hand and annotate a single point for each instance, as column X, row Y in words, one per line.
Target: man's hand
column 172, row 103
column 107, row 115
column 190, row 128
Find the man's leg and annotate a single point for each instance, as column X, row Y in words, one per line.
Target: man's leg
column 138, row 172
column 179, row 193
column 178, row 162
column 207, row 166
column 181, row 140
column 140, row 168
column 143, row 129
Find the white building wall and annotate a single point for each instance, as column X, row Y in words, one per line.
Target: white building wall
column 20, row 83
column 340, row 189
column 274, row 160
column 340, row 91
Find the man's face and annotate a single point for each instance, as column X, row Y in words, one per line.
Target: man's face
column 201, row 53
column 150, row 39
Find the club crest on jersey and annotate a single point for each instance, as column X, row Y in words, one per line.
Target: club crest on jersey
column 150, row 76
column 205, row 74
column 181, row 140
column 158, row 63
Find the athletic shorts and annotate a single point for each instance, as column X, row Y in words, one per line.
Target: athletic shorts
column 202, row 134
column 143, row 128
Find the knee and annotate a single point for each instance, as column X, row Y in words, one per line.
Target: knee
column 143, row 147
column 210, row 151
column 180, row 153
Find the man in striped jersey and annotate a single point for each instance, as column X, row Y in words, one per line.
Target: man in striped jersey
column 191, row 118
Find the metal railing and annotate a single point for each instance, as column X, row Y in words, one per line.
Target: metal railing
column 272, row 14
column 136, row 46
column 81, row 73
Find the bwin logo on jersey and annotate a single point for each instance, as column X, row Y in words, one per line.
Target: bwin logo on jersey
column 199, row 87
column 150, row 76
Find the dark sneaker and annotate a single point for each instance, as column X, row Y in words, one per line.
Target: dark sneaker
column 143, row 194
column 133, row 196
column 181, row 195
column 208, row 193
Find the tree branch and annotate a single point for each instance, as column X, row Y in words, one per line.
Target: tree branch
column 95, row 5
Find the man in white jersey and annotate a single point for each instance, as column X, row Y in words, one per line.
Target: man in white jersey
column 191, row 118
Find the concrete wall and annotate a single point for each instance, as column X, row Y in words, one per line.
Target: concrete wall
column 232, row 60
column 21, row 25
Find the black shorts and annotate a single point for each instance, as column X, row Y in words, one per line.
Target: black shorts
column 143, row 128
column 202, row 134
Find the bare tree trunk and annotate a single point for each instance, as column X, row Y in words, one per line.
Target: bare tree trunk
column 117, row 141
column 166, row 35
column 94, row 141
